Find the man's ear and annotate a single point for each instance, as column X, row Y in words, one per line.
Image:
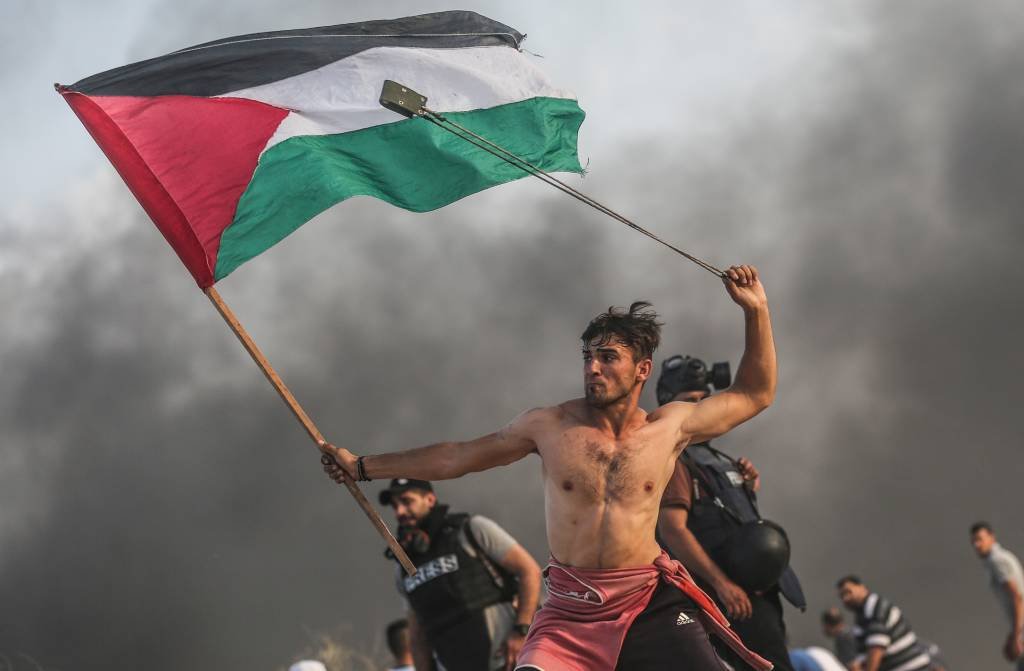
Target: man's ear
column 431, row 499
column 643, row 369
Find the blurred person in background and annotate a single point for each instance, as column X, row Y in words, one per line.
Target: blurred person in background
column 844, row 643
column 475, row 591
column 884, row 635
column 1007, row 582
column 399, row 646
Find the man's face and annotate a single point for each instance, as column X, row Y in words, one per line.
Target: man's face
column 610, row 373
column 412, row 506
column 853, row 595
column 983, row 540
column 691, row 396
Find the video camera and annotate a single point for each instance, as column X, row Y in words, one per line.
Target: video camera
column 685, row 373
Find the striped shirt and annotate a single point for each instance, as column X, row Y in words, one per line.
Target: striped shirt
column 881, row 624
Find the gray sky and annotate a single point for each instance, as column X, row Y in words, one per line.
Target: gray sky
column 160, row 508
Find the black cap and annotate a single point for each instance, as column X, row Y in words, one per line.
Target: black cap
column 400, row 485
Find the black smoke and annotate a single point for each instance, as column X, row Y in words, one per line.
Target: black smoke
column 161, row 509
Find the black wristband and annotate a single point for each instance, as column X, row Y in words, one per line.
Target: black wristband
column 521, row 629
column 361, row 471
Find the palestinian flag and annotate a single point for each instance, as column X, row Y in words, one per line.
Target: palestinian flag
column 232, row 145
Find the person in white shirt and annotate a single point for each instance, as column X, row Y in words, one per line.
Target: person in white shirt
column 1007, row 581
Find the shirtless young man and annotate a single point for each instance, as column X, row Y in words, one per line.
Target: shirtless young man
column 615, row 599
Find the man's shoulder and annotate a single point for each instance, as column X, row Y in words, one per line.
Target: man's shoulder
column 1001, row 554
column 673, row 413
column 546, row 417
column 877, row 607
column 485, row 534
column 533, row 422
column 567, row 410
column 869, row 609
column 482, row 523
column 1001, row 561
column 995, row 557
column 544, row 413
column 671, row 408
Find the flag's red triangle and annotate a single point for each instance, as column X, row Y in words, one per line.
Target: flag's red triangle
column 187, row 160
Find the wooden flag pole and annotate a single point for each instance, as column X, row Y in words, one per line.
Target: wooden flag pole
column 306, row 422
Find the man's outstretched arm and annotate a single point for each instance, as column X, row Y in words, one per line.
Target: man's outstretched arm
column 754, row 387
column 444, row 461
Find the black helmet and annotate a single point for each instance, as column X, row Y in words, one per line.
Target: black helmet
column 756, row 555
column 685, row 373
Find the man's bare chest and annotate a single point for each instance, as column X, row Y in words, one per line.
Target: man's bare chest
column 588, row 464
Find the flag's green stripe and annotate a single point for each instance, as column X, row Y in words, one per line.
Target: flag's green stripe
column 411, row 163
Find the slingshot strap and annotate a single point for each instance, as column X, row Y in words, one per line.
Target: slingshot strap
column 521, row 163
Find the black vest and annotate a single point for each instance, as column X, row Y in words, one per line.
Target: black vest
column 450, row 583
column 721, row 502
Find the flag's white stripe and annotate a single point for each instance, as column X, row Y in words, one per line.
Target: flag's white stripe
column 344, row 96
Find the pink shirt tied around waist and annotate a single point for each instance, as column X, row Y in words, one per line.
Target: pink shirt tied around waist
column 588, row 612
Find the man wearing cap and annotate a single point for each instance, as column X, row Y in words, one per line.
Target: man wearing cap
column 475, row 590
column 709, row 497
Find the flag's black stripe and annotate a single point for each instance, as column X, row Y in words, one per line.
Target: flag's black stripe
column 234, row 63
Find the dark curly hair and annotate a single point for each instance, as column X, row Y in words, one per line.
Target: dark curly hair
column 637, row 328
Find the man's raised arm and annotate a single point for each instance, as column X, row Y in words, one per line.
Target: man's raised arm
column 442, row 461
column 754, row 387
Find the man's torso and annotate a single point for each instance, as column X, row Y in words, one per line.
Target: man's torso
column 1003, row 565
column 881, row 624
column 602, row 493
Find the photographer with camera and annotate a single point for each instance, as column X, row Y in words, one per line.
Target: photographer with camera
column 710, row 522
column 475, row 590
